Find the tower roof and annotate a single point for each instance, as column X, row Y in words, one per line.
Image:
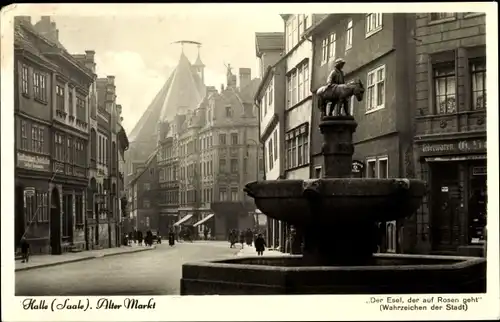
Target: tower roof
column 183, row 89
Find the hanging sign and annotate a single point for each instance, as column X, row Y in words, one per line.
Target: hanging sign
column 357, row 166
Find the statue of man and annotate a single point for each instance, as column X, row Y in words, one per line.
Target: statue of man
column 336, row 77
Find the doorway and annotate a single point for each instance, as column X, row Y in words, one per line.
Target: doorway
column 20, row 221
column 477, row 204
column 55, row 223
column 445, row 199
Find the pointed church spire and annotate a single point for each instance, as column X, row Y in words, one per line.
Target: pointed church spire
column 198, row 62
column 199, row 66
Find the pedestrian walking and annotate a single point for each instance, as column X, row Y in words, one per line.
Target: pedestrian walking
column 25, row 250
column 260, row 245
column 242, row 239
column 139, row 237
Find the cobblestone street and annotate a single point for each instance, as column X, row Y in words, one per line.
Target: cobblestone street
column 155, row 272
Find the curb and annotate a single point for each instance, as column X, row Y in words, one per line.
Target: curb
column 81, row 259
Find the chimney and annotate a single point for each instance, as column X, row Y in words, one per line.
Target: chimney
column 89, row 55
column 111, row 80
column 57, row 34
column 245, row 77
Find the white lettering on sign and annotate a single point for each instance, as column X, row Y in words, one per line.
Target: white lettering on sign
column 437, row 147
column 34, row 162
column 472, row 145
column 444, row 189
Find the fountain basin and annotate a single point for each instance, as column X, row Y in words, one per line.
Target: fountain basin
column 389, row 274
column 331, row 200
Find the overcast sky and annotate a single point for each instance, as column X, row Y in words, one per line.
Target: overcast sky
column 138, row 50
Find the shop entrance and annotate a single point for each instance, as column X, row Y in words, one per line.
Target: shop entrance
column 55, row 223
column 477, row 204
column 445, row 199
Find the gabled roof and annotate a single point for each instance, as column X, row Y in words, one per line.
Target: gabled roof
column 269, row 41
column 184, row 88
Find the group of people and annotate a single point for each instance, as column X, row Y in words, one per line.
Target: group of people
column 138, row 237
column 247, row 237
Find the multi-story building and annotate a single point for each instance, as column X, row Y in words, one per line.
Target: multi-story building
column 376, row 48
column 450, row 132
column 298, row 104
column 51, row 106
column 270, row 103
column 206, row 144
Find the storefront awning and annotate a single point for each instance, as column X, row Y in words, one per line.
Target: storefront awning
column 203, row 220
column 456, row 158
column 183, row 219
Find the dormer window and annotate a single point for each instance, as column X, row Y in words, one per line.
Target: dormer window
column 229, row 111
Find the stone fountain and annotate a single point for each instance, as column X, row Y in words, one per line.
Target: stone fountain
column 337, row 216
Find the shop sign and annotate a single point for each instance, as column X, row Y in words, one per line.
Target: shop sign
column 455, row 147
column 357, row 166
column 33, row 162
column 479, row 171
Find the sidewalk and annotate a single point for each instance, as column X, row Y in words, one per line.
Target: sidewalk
column 38, row 261
column 250, row 251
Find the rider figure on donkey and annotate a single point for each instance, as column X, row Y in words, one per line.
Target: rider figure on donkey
column 336, row 77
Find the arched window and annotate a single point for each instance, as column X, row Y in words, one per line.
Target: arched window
column 93, row 144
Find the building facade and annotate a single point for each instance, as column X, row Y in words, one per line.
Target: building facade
column 450, row 132
column 56, row 104
column 270, row 102
column 376, row 48
column 51, row 172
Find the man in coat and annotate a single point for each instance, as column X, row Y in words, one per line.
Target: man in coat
column 336, row 76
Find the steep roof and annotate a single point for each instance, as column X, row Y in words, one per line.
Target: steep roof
column 183, row 89
column 269, row 41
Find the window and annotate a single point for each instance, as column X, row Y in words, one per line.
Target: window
column 373, row 23
column 24, row 80
column 41, row 138
column 324, row 51
column 35, row 143
column 44, row 216
column 229, row 111
column 478, row 82
column 147, row 186
column 93, row 143
column 332, row 42
column 297, row 147
column 234, row 165
column 40, row 86
column 80, row 109
column 275, row 140
column 270, row 154
column 305, row 71
column 24, row 135
column 59, row 147
column 222, row 165
column 317, row 172
column 348, row 38
column 234, row 194
column 371, row 169
column 69, row 147
column 70, row 100
column 442, row 15
column 146, row 203
column 377, row 168
column 298, row 84
column 222, row 194
column 60, row 98
column 375, row 89
column 383, row 168
column 444, row 88
column 234, row 138
column 222, row 139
